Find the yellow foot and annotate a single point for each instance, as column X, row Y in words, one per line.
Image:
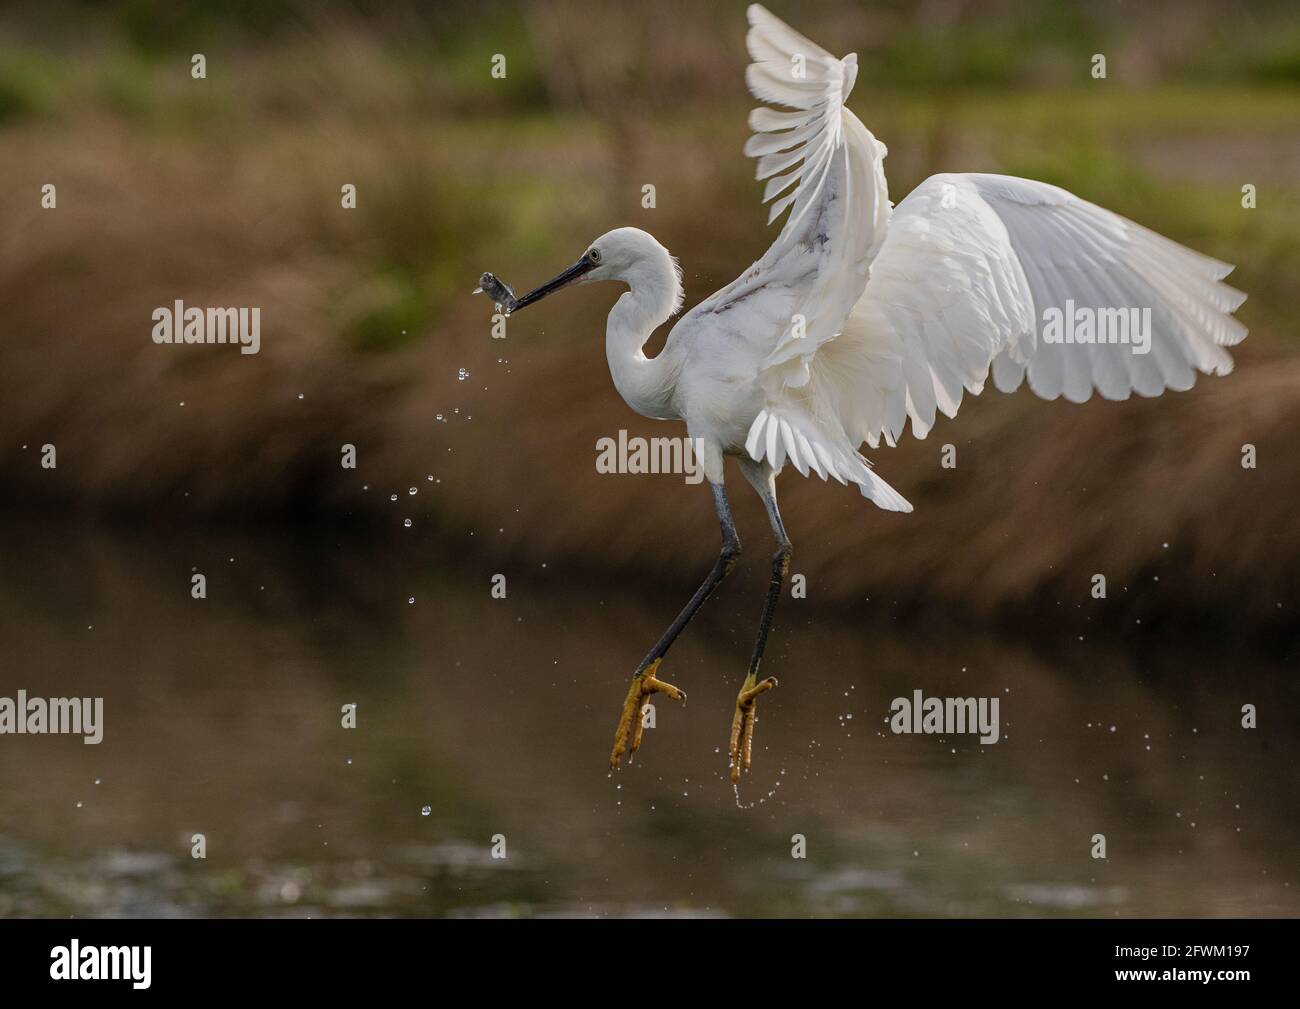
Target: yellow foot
column 631, row 724
column 742, row 725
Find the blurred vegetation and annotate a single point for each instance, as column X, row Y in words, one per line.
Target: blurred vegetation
column 227, row 189
column 997, row 80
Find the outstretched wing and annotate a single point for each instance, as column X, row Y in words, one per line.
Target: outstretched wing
column 823, row 166
column 977, row 270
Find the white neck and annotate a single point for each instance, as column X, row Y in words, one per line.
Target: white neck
column 646, row 384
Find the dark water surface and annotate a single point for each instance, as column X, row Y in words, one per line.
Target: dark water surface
column 223, row 717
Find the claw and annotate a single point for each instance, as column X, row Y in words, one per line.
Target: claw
column 741, row 749
column 630, row 723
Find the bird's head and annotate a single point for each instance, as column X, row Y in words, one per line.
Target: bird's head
column 627, row 254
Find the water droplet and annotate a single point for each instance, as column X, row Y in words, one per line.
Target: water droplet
column 392, row 497
column 426, row 811
column 407, row 523
column 411, row 601
column 462, row 374
column 412, row 492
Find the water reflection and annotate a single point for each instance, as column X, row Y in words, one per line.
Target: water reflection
column 223, row 718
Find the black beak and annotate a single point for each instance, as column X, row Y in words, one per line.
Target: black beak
column 575, row 272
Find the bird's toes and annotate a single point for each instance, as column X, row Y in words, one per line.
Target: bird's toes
column 657, row 686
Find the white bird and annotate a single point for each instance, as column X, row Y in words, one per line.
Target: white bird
column 861, row 317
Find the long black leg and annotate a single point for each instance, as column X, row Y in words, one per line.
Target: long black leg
column 727, row 558
column 627, row 737
column 765, row 483
column 741, row 746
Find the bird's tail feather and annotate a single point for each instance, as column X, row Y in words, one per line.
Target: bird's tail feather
column 880, row 493
column 788, row 435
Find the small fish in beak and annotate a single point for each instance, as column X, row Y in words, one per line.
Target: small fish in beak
column 501, row 293
column 572, row 275
column 504, row 294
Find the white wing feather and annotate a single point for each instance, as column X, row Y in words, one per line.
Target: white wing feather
column 966, row 272
column 823, row 166
column 896, row 317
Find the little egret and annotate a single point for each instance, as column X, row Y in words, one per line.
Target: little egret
column 862, row 316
